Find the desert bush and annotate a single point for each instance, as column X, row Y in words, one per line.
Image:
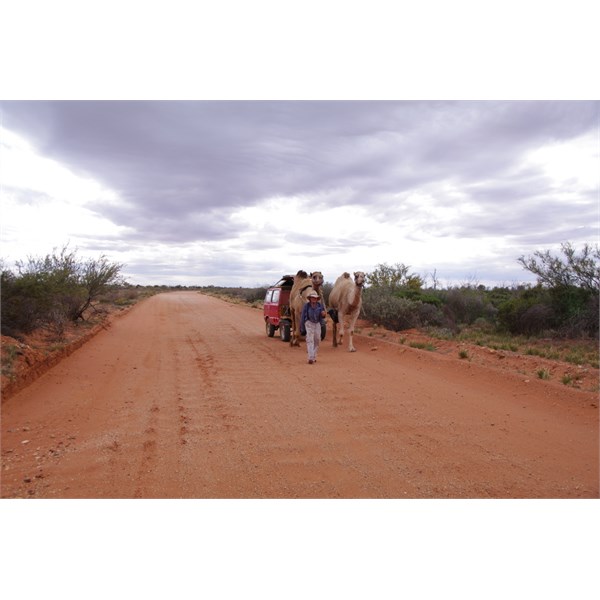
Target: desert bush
column 418, row 295
column 123, row 295
column 55, row 323
column 248, row 295
column 22, row 306
column 53, row 289
column 535, row 319
column 576, row 310
column 388, row 276
column 483, row 325
column 396, row 300
column 573, row 285
column 28, row 301
column 570, row 271
column 528, row 313
column 465, row 305
column 543, row 374
column 584, row 320
column 497, row 296
column 255, row 294
column 384, row 308
column 564, row 310
column 429, row 314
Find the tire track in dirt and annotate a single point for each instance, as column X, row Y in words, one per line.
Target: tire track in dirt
column 217, row 422
column 166, row 463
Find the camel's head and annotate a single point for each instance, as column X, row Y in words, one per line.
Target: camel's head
column 317, row 279
column 359, row 278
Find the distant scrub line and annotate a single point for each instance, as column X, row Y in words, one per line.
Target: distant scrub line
column 49, row 291
column 564, row 302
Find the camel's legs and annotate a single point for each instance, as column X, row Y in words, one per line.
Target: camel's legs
column 294, row 336
column 351, row 347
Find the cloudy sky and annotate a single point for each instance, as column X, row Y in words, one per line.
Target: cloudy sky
column 240, row 192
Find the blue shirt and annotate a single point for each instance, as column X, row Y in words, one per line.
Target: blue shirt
column 311, row 314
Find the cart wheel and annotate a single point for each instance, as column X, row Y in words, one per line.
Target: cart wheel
column 284, row 332
column 270, row 329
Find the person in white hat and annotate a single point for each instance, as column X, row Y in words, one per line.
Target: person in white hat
column 310, row 321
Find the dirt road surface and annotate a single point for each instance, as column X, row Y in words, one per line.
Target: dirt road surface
column 186, row 397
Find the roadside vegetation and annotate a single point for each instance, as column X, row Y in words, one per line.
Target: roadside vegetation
column 563, row 303
column 52, row 292
column 253, row 296
column 530, row 319
column 555, row 318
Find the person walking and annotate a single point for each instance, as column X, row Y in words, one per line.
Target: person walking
column 313, row 313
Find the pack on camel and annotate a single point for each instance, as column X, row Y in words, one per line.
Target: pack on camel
column 345, row 301
column 304, row 284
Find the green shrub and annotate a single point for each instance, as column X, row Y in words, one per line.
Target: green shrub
column 49, row 291
column 429, row 315
column 255, row 294
column 568, row 311
column 466, row 305
column 384, row 308
column 528, row 313
column 419, row 296
column 25, row 303
column 573, row 284
column 567, row 379
column 578, row 312
column 423, row 346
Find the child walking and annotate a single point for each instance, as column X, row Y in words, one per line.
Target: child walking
column 310, row 321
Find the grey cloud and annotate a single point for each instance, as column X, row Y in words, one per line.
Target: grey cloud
column 523, row 185
column 539, row 217
column 170, row 224
column 182, row 168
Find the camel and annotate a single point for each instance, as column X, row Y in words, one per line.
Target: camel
column 303, row 285
column 345, row 301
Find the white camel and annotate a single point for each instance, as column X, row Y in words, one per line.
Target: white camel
column 345, row 302
column 303, row 285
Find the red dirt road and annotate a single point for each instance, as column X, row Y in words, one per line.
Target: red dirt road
column 186, row 397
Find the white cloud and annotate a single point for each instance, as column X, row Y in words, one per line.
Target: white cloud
column 576, row 162
column 44, row 204
column 24, row 168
